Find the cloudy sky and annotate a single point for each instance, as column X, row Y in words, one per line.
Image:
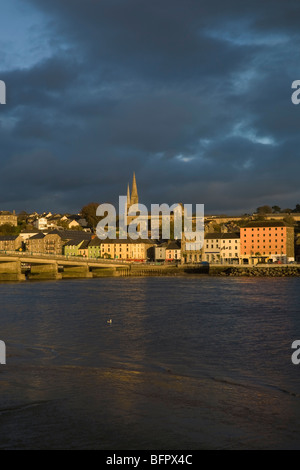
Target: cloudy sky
column 192, row 95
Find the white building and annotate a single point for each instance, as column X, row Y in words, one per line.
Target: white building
column 41, row 223
column 223, row 248
column 173, row 251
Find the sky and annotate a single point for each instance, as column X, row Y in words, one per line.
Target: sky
column 194, row 96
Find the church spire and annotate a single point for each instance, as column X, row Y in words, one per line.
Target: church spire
column 128, row 197
column 134, row 193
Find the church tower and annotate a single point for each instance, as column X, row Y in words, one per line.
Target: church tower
column 128, row 199
column 133, row 199
column 134, row 193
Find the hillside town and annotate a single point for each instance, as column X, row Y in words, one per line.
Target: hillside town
column 266, row 236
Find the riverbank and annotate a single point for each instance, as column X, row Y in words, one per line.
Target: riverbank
column 256, row 271
column 54, row 270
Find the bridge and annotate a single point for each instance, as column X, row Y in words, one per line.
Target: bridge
column 21, row 266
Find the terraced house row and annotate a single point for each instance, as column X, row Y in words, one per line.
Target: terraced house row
column 129, row 250
column 265, row 241
column 256, row 242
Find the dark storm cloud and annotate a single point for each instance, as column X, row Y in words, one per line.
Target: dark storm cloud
column 192, row 95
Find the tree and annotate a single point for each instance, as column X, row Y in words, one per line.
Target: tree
column 289, row 220
column 22, row 216
column 264, row 210
column 276, row 209
column 297, row 208
column 88, row 212
column 7, row 229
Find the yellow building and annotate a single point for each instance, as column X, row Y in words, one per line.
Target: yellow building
column 128, row 250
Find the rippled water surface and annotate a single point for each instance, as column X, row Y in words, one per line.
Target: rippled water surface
column 186, row 363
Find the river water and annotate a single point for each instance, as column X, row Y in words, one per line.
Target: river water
column 185, row 363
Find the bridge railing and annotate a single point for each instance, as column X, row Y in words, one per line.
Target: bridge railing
column 27, row 254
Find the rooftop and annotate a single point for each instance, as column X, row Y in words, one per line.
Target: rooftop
column 8, row 237
column 267, row 223
column 220, row 236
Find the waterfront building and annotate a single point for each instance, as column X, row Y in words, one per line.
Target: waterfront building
column 191, row 252
column 71, row 247
column 129, row 250
column 94, row 248
column 53, row 244
column 35, row 244
column 83, row 249
column 222, row 248
column 10, row 243
column 49, row 244
column 173, row 251
column 267, row 241
column 160, row 252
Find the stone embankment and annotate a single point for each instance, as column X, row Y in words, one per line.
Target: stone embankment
column 256, row 271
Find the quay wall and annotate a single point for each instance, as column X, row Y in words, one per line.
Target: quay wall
column 14, row 270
